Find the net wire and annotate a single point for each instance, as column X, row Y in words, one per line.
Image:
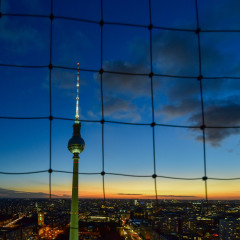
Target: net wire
column 102, row 121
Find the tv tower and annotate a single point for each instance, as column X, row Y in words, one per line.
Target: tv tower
column 75, row 145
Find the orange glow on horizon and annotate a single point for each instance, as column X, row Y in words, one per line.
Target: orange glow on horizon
column 133, row 196
column 128, row 188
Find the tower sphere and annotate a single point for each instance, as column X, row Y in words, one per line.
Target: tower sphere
column 76, row 144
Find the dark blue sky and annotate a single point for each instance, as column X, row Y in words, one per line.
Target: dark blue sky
column 24, row 92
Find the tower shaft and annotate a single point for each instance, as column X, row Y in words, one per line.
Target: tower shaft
column 75, row 145
column 74, row 205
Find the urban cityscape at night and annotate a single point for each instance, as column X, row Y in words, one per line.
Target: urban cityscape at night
column 119, row 119
column 120, row 219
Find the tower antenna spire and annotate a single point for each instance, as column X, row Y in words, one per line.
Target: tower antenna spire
column 77, row 98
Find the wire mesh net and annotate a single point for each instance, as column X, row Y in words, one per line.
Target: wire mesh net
column 150, row 79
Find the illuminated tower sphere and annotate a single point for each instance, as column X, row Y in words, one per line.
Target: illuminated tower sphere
column 75, row 145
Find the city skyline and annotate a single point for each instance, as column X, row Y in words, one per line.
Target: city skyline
column 120, row 219
column 128, row 149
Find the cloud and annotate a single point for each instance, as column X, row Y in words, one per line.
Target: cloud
column 65, row 79
column 131, row 194
column 122, row 92
column 172, row 196
column 172, row 54
column 125, row 66
column 182, row 98
column 91, row 114
column 161, row 196
column 181, row 108
column 121, row 109
column 8, row 193
column 177, row 196
column 175, row 53
column 218, row 112
column 136, row 86
column 113, row 104
column 181, row 88
column 183, row 95
column 178, row 55
column 225, row 113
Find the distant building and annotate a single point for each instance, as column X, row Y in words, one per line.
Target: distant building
column 229, row 228
column 41, row 219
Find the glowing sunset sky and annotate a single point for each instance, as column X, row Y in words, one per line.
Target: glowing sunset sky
column 128, row 149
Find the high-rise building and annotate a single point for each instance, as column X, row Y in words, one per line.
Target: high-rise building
column 75, row 145
column 229, row 228
column 40, row 218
